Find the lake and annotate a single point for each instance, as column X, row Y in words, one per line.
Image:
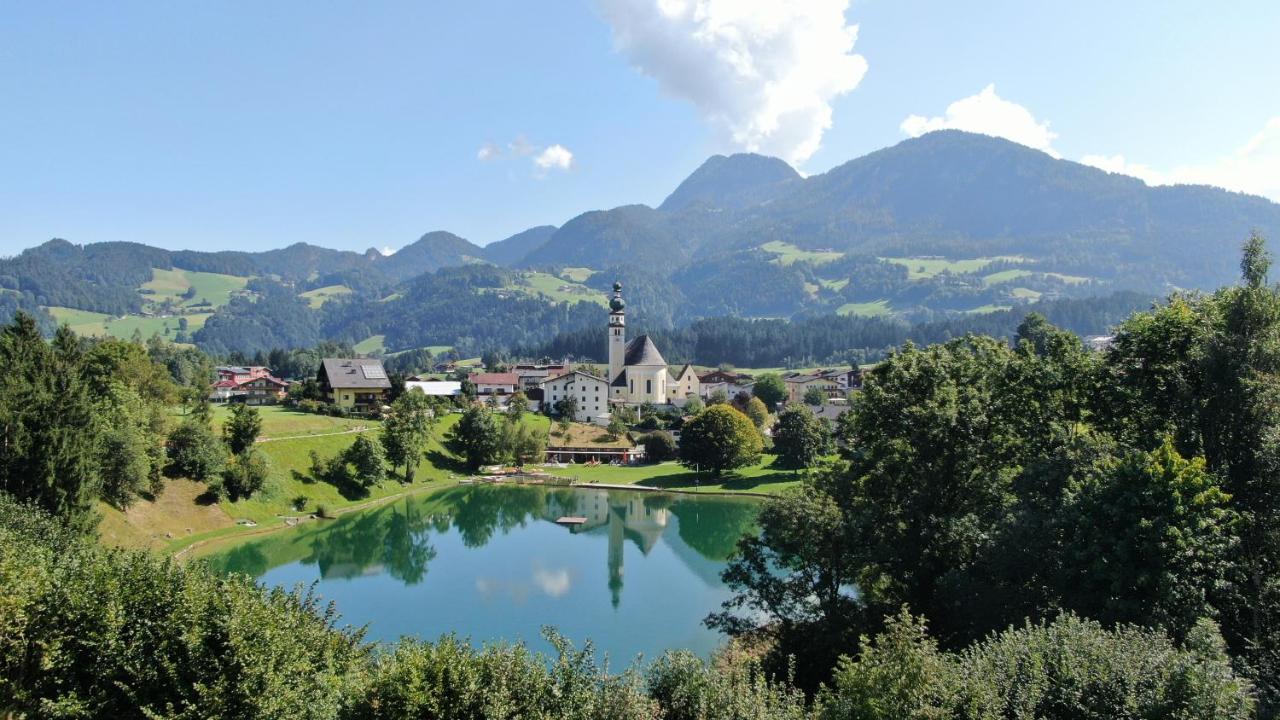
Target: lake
column 490, row 563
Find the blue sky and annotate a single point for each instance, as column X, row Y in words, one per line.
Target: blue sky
column 238, row 125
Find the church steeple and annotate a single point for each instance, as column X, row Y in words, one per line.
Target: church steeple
column 617, row 332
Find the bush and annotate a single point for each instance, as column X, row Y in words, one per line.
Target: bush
column 659, row 446
column 195, row 452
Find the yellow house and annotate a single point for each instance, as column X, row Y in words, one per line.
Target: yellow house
column 357, row 384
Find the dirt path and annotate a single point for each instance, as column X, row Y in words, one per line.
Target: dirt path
column 352, row 431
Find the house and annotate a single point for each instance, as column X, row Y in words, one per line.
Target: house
column 495, row 383
column 437, row 388
column 798, row 385
column 264, row 390
column 685, row 384
column 531, row 374
column 358, row 384
column 725, row 376
column 238, row 374
column 591, row 392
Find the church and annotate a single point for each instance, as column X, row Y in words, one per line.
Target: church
column 638, row 373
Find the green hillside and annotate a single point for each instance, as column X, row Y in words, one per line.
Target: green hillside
column 321, row 295
column 94, row 324
column 212, row 289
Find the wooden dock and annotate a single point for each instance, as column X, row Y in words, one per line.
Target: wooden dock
column 571, row 520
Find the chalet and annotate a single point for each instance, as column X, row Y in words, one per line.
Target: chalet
column 264, row 390
column 238, row 374
column 591, row 392
column 495, row 383
column 798, row 385
column 725, row 376
column 358, row 384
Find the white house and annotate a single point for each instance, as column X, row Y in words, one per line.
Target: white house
column 591, row 392
column 449, row 388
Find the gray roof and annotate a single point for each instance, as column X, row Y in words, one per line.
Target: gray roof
column 356, row 373
column 642, row 351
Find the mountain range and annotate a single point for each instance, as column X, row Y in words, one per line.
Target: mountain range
column 947, row 222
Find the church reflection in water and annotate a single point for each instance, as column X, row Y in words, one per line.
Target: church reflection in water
column 642, row 518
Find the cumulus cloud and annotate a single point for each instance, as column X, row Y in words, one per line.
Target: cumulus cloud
column 555, row 157
column 762, row 72
column 989, row 114
column 1252, row 168
column 544, row 159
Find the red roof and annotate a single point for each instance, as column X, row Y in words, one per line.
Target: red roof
column 495, row 379
column 225, row 384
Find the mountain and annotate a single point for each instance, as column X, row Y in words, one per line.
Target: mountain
column 512, row 251
column 632, row 234
column 429, row 253
column 733, row 182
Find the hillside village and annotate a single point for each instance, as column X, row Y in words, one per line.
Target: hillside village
column 637, row 382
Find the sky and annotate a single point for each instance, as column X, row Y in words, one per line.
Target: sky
column 250, row 125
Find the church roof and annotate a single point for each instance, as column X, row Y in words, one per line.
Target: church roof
column 642, row 351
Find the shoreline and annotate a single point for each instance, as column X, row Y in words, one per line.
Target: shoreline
column 208, row 543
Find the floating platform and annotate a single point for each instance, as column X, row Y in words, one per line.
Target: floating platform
column 571, row 520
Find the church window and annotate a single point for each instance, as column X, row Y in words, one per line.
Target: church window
column 648, row 386
column 633, row 386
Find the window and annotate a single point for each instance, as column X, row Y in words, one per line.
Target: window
column 633, row 386
column 648, row 387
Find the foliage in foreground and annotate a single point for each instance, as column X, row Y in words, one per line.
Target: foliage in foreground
column 87, row 631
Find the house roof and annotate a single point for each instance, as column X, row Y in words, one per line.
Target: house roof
column 686, row 370
column 642, row 351
column 583, row 373
column 356, row 373
column 494, row 379
column 802, row 378
column 267, row 378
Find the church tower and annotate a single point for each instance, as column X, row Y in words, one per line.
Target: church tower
column 617, row 333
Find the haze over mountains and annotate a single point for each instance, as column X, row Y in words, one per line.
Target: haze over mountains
column 947, row 222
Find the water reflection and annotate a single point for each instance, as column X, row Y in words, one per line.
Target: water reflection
column 637, row 575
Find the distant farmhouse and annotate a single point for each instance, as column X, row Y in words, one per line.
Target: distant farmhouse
column 358, row 384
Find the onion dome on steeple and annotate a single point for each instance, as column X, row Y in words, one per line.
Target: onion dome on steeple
column 616, row 304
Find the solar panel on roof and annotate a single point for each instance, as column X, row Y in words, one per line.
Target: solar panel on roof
column 373, row 372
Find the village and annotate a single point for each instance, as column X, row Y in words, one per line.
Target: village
column 637, row 389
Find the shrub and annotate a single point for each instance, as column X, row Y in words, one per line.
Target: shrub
column 195, row 452
column 659, row 446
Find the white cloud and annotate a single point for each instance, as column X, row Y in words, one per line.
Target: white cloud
column 554, row 583
column 1253, row 168
column 387, row 251
column 989, row 114
column 556, row 157
column 762, row 72
column 488, row 151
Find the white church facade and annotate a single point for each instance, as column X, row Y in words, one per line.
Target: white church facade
column 638, row 373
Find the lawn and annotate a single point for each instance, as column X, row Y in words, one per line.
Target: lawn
column 212, row 288
column 372, row 344
column 557, row 289
column 1068, row 279
column 577, row 274
column 1025, row 293
column 763, row 477
column 922, row 268
column 321, row 295
column 836, row 285
column 788, row 253
column 279, row 421
column 985, row 309
column 1005, row 276
column 875, row 308
column 92, row 324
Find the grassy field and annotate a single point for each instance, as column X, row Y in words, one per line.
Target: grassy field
column 557, row 289
column 836, row 285
column 94, row 324
column 989, row 308
column 577, row 274
column 1005, row 276
column 278, row 422
column 371, row 344
column 1068, row 279
column 321, row 295
column 922, row 268
column 788, row 253
column 1025, row 293
column 213, row 288
column 876, row 308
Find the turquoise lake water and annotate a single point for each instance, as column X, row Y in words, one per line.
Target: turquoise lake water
column 490, row 563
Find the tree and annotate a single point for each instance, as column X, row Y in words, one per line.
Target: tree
column 659, row 446
column 567, row 407
column 770, row 388
column 517, row 406
column 195, row 452
column 1151, row 542
column 129, row 458
column 799, row 439
column 524, row 443
column 815, row 396
column 47, row 422
column 242, row 428
column 616, row 428
column 718, row 397
column 368, row 460
column 245, row 474
column 757, row 412
column 479, row 437
column 407, row 430
column 719, row 439
column 693, row 405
